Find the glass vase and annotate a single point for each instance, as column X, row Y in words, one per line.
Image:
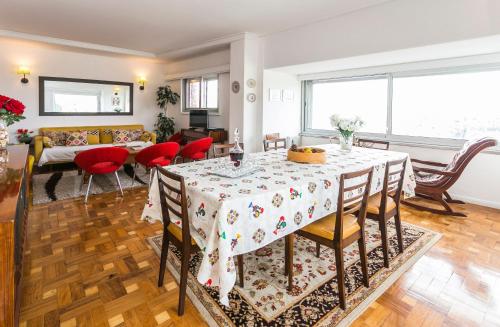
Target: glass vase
column 346, row 142
column 4, row 135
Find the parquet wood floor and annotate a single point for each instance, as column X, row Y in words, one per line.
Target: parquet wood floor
column 88, row 265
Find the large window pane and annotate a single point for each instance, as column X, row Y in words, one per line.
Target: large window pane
column 364, row 98
column 458, row 106
column 212, row 91
column 193, row 90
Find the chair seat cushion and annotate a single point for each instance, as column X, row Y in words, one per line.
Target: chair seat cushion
column 197, row 156
column 325, row 226
column 103, row 168
column 373, row 206
column 162, row 161
column 176, row 231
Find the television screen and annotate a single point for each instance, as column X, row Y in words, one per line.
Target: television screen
column 198, row 119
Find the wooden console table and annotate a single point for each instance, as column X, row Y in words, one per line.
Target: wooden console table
column 14, row 185
column 189, row 135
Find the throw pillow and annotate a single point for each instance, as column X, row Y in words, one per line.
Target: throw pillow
column 146, row 137
column 77, row 138
column 121, row 136
column 47, row 142
column 106, row 136
column 93, row 137
column 58, row 137
column 136, row 134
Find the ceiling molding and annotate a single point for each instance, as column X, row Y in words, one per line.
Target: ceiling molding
column 75, row 44
column 195, row 73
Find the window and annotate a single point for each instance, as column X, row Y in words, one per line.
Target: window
column 430, row 107
column 201, row 93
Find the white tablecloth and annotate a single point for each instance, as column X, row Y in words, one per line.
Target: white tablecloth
column 234, row 216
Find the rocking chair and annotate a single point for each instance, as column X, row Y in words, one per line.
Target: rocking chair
column 433, row 184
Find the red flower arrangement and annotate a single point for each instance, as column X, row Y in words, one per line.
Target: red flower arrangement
column 23, row 135
column 11, row 110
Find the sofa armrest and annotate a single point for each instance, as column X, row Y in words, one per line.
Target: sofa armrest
column 38, row 147
column 153, row 137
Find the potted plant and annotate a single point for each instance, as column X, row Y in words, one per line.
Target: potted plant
column 165, row 125
column 346, row 128
column 23, row 135
column 11, row 111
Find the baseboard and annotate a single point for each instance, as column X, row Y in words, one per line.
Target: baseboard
column 473, row 200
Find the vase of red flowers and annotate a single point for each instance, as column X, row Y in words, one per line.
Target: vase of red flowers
column 23, row 135
column 11, row 111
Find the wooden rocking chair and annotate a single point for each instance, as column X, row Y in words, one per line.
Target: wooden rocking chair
column 434, row 183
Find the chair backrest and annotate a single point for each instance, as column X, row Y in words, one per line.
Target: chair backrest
column 279, row 143
column 354, row 190
column 393, row 182
column 90, row 157
column 222, row 150
column 173, row 199
column 372, row 144
column 177, row 138
column 201, row 145
column 168, row 150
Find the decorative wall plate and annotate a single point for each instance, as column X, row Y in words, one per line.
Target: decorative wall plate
column 251, row 83
column 235, row 86
column 251, row 97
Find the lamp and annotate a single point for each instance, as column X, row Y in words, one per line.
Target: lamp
column 142, row 81
column 23, row 71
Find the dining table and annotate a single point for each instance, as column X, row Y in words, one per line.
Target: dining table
column 233, row 216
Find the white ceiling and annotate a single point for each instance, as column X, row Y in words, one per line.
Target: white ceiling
column 160, row 26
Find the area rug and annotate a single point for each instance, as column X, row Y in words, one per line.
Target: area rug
column 62, row 185
column 265, row 301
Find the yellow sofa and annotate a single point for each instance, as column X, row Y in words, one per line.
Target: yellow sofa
column 39, row 138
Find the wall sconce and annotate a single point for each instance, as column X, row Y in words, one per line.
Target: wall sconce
column 23, row 71
column 142, row 81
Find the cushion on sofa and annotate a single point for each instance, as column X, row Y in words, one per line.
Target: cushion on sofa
column 93, row 136
column 77, row 138
column 145, row 137
column 136, row 134
column 58, row 137
column 47, row 142
column 121, row 136
column 106, row 136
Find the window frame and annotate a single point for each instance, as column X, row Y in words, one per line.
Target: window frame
column 405, row 140
column 211, row 111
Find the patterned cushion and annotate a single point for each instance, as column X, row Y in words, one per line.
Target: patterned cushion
column 47, row 142
column 106, row 136
column 145, row 137
column 93, row 137
column 58, row 137
column 136, row 134
column 77, row 138
column 121, row 136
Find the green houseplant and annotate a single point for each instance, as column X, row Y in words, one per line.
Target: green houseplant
column 164, row 124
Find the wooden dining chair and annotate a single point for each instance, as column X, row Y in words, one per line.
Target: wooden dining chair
column 341, row 229
column 275, row 144
column 173, row 200
column 385, row 205
column 372, row 144
column 222, row 150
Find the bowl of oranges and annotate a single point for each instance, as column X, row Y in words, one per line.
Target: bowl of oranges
column 308, row 155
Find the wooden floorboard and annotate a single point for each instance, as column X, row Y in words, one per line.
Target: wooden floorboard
column 88, row 265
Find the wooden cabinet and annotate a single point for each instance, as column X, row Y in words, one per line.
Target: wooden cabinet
column 219, row 135
column 13, row 218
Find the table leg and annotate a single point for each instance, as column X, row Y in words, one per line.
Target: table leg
column 289, row 259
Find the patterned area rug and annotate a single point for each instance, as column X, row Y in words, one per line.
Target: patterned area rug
column 264, row 301
column 66, row 184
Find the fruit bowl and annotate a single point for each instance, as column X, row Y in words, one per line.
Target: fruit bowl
column 307, row 155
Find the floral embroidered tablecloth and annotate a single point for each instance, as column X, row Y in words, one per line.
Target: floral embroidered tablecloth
column 234, row 216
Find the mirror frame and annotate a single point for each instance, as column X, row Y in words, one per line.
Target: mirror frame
column 41, row 97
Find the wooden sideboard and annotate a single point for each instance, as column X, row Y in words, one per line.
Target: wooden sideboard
column 189, row 135
column 14, row 185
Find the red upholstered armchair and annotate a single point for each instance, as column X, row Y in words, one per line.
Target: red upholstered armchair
column 101, row 161
column 196, row 150
column 159, row 154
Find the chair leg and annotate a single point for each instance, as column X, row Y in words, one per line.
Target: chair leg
column 88, row 188
column 240, row 270
column 449, row 199
column 289, row 262
column 287, row 255
column 150, row 177
column 385, row 246
column 339, row 264
column 183, row 278
column 364, row 260
column 83, row 182
column 318, row 249
column 163, row 257
column 399, row 233
column 118, row 181
column 448, row 210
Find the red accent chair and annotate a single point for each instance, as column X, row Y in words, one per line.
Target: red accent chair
column 159, row 154
column 196, row 150
column 101, row 161
column 177, row 138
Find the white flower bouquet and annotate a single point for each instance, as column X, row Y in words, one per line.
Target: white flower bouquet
column 346, row 128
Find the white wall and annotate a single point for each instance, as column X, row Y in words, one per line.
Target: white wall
column 45, row 60
column 281, row 117
column 200, row 62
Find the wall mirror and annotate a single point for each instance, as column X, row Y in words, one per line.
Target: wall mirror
column 82, row 97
